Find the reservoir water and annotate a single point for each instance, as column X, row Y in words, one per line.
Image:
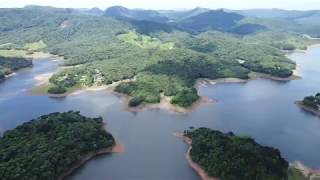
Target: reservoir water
column 263, row 109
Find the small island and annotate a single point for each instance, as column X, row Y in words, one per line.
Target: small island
column 230, row 157
column 310, row 104
column 52, row 146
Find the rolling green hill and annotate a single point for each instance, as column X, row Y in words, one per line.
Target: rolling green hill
column 165, row 58
column 135, row 14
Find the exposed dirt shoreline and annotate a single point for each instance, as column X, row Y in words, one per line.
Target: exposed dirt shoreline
column 165, row 101
column 83, row 161
column 198, row 169
column 117, row 148
column 165, row 104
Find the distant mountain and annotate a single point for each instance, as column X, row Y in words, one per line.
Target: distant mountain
column 218, row 20
column 120, row 12
column 211, row 20
column 93, row 11
column 180, row 15
column 311, row 16
column 196, row 11
column 196, row 20
column 82, row 11
column 269, row 13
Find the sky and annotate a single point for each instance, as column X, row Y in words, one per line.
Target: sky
column 169, row 4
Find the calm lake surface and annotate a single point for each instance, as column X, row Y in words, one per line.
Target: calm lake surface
column 262, row 109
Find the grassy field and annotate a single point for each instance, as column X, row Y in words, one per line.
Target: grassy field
column 144, row 41
column 35, row 46
column 13, row 53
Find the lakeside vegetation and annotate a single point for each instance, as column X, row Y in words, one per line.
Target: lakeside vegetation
column 231, row 157
column 48, row 146
column 312, row 101
column 12, row 59
column 165, row 58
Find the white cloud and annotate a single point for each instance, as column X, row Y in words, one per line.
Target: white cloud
column 169, row 4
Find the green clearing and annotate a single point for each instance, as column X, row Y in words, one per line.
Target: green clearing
column 144, row 41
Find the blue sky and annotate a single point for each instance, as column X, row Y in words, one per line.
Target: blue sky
column 170, row 4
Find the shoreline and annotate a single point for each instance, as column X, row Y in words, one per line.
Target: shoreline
column 307, row 109
column 42, row 85
column 197, row 168
column 164, row 104
column 309, row 47
column 252, row 76
column 35, row 56
column 117, row 148
column 83, row 160
column 306, row 171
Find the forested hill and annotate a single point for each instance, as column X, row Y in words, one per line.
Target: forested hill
column 183, row 14
column 135, row 14
column 231, row 157
column 304, row 21
column 47, row 147
column 195, row 21
column 219, row 20
column 165, row 59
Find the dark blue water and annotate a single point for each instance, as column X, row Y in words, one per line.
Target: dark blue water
column 262, row 109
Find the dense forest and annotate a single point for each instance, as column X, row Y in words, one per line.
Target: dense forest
column 231, row 157
column 48, row 146
column 312, row 101
column 165, row 56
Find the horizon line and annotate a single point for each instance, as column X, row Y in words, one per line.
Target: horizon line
column 173, row 9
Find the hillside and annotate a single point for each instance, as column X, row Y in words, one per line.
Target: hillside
column 183, row 14
column 212, row 20
column 163, row 58
column 135, row 14
column 219, row 20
